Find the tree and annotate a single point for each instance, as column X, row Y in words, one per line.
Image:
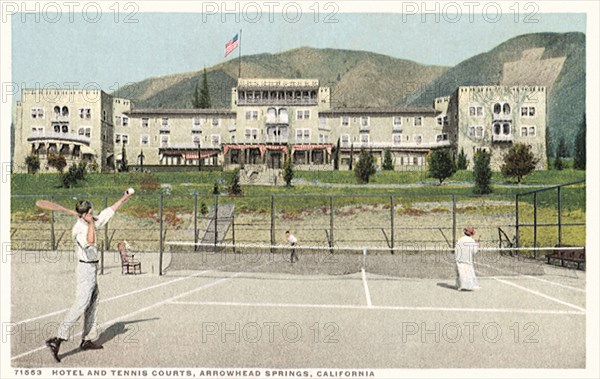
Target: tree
column 388, row 163
column 204, row 101
column 482, row 172
column 33, row 163
column 58, row 161
column 124, row 167
column 196, row 97
column 74, row 175
column 351, row 157
column 461, row 161
column 336, row 156
column 365, row 167
column 561, row 152
column 235, row 188
column 519, row 161
column 441, row 164
column 288, row 171
column 580, row 151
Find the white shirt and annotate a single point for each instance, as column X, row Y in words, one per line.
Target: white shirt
column 291, row 239
column 465, row 250
column 84, row 251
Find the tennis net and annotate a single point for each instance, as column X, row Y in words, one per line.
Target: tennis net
column 407, row 261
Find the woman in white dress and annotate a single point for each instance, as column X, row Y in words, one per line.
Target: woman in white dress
column 464, row 254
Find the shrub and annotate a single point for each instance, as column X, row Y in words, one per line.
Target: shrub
column 518, row 162
column 388, row 163
column 33, row 163
column 235, row 188
column 461, row 161
column 441, row 164
column 58, row 161
column 365, row 167
column 288, row 171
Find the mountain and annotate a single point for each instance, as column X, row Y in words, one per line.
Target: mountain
column 551, row 59
column 357, row 78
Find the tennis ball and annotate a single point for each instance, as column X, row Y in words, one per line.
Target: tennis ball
column 130, row 191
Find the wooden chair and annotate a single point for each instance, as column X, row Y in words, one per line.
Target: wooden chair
column 128, row 264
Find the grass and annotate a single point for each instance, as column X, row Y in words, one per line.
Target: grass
column 106, row 188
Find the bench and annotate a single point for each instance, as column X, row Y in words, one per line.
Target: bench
column 567, row 255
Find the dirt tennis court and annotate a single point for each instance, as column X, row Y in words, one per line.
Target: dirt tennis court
column 219, row 318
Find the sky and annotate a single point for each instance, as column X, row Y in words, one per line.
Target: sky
column 132, row 44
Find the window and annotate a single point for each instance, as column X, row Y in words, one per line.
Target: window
column 117, row 138
column 125, row 139
column 497, row 108
column 196, row 140
column 302, row 134
column 144, row 122
column 475, row 132
column 165, row 123
column 37, row 130
column 85, row 113
column 440, row 120
column 215, row 139
column 323, row 138
column 397, row 139
column 475, row 111
column 344, row 140
column 397, row 121
column 418, row 121
column 322, row 121
column 441, row 137
column 302, row 114
column 506, row 109
column 506, row 129
column 252, row 115
column 364, row 138
column 364, row 121
column 144, row 139
column 215, row 121
column 418, row 138
column 125, row 121
column 57, row 110
column 527, row 111
column 37, row 113
column 344, row 120
column 254, row 134
column 85, row 131
column 118, row 121
column 164, row 141
column 497, row 128
column 532, row 131
column 196, row 121
column 232, row 138
column 64, row 111
column 251, row 134
column 65, row 128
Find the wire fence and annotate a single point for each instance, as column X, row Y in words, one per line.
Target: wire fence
column 548, row 217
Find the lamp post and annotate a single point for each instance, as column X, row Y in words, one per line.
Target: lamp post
column 141, row 159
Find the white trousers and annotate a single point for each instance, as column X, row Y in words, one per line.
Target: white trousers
column 86, row 303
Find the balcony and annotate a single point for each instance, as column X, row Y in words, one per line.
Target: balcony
column 277, row 102
column 397, row 129
column 63, row 137
column 195, row 128
column 502, row 117
column 502, row 137
column 277, row 139
column 364, row 129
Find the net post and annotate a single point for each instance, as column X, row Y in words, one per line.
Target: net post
column 331, row 222
column 559, row 221
column 272, row 222
column 196, row 221
column 106, row 225
column 517, row 237
column 216, row 219
column 534, row 224
column 160, row 239
column 453, row 220
column 52, row 235
column 392, row 207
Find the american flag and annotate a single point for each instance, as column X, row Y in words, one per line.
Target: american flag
column 231, row 45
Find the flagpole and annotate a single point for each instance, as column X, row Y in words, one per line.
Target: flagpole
column 240, row 55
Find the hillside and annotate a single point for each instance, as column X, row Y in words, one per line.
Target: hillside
column 566, row 94
column 356, row 78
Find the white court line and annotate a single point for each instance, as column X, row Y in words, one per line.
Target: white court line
column 158, row 304
column 540, row 294
column 367, row 293
column 364, row 280
column 115, row 297
column 533, row 277
column 378, row 307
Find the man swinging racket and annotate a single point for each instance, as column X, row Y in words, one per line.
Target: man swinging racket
column 86, row 302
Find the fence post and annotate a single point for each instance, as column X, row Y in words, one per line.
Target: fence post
column 160, row 239
column 106, row 225
column 559, row 218
column 534, row 224
column 233, row 232
column 196, row 220
column 102, row 260
column 453, row 221
column 392, row 207
column 272, row 222
column 517, row 237
column 216, row 219
column 331, row 222
column 52, row 235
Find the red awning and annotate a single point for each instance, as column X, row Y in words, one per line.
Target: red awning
column 194, row 155
column 312, row 147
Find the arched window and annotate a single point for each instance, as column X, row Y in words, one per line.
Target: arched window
column 497, row 128
column 506, row 129
column 497, row 108
column 56, row 128
column 506, row 109
column 57, row 110
column 65, row 128
column 65, row 111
